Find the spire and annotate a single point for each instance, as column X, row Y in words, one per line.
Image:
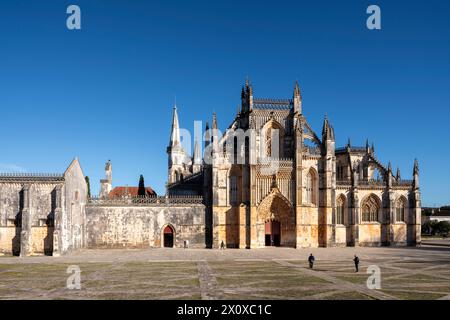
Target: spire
column 207, row 135
column 248, row 95
column 325, row 125
column 416, row 175
column 248, row 87
column 367, row 146
column 297, row 98
column 389, row 176
column 297, row 90
column 214, row 133
column 397, row 176
column 373, row 148
column 214, row 122
column 244, row 104
column 349, row 144
column 327, row 131
column 416, row 167
column 175, row 134
column 197, row 154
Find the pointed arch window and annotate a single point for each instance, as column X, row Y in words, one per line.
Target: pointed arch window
column 340, row 210
column 233, row 190
column 400, row 207
column 370, row 209
column 310, row 188
column 274, row 140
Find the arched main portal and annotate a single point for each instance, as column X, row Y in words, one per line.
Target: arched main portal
column 276, row 223
column 168, row 237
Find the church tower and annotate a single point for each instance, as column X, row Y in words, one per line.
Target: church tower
column 106, row 184
column 175, row 151
column 327, row 187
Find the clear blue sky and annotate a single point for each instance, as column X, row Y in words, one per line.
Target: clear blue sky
column 106, row 91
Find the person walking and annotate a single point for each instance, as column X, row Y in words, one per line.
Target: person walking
column 356, row 261
column 311, row 260
column 222, row 245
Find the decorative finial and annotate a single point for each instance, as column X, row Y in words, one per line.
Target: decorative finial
column 416, row 166
column 296, row 89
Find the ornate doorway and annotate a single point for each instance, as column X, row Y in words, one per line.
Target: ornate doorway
column 275, row 224
column 168, row 237
column 273, row 233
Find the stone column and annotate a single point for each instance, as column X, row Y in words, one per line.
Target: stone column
column 242, row 226
column 298, row 201
column 25, row 234
column 253, row 233
column 57, row 222
column 355, row 218
column 392, row 218
column 355, row 209
column 416, row 215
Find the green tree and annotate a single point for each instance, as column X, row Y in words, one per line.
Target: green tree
column 426, row 228
column 88, row 186
column 434, row 227
column 443, row 227
column 141, row 189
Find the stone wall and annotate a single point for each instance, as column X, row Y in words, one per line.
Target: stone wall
column 71, row 224
column 142, row 226
column 39, row 209
column 42, row 213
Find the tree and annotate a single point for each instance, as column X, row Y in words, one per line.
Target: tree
column 434, row 227
column 141, row 189
column 443, row 227
column 426, row 228
column 88, row 186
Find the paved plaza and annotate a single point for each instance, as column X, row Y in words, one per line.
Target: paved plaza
column 271, row 273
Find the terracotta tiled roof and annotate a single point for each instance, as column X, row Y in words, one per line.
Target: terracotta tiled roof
column 118, row 192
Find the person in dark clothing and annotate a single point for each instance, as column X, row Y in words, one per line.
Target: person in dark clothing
column 356, row 261
column 222, row 245
column 311, row 261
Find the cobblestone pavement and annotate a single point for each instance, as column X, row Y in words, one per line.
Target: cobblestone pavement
column 270, row 273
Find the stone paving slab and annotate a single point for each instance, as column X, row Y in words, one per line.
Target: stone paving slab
column 272, row 273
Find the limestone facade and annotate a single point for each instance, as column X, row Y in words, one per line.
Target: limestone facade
column 42, row 213
column 268, row 180
column 318, row 196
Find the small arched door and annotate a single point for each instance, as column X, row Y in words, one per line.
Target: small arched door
column 168, row 237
